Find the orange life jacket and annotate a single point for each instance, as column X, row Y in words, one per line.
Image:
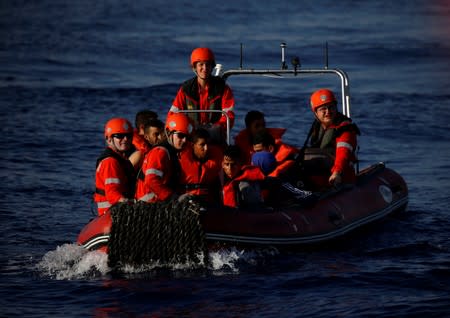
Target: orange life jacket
column 199, row 177
column 229, row 188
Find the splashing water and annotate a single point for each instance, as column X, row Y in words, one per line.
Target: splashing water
column 71, row 261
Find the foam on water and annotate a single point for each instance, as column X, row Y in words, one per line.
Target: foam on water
column 71, row 261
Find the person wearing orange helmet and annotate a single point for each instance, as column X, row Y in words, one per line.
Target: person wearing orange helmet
column 160, row 170
column 206, row 92
column 335, row 134
column 115, row 175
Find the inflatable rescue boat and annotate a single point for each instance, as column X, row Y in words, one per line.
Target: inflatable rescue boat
column 379, row 191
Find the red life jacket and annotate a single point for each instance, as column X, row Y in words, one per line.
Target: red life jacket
column 218, row 96
column 230, row 190
column 285, row 156
column 199, row 177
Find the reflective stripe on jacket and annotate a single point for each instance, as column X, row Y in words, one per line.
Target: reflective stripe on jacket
column 339, row 140
column 160, row 169
column 114, row 179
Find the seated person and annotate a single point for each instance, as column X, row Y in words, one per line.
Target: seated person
column 284, row 154
column 141, row 119
column 114, row 174
column 161, row 166
column 153, row 134
column 201, row 163
column 240, row 183
column 254, row 123
column 265, row 160
column 332, row 133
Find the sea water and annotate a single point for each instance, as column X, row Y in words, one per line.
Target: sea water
column 67, row 67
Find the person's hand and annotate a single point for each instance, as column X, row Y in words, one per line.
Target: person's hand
column 335, row 179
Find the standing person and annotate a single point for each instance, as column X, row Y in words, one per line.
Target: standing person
column 161, row 166
column 240, row 183
column 115, row 176
column 201, row 163
column 206, row 92
column 254, row 123
column 333, row 133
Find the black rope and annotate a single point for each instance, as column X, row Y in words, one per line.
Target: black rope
column 166, row 232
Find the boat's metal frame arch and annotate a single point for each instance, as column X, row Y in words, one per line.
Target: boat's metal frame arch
column 344, row 80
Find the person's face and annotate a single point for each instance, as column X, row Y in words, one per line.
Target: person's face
column 230, row 167
column 326, row 114
column 261, row 147
column 257, row 126
column 179, row 140
column 120, row 142
column 203, row 69
column 200, row 148
column 153, row 135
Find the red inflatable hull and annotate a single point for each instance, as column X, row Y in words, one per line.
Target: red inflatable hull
column 379, row 192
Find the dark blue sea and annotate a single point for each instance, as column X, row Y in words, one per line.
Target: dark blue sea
column 66, row 67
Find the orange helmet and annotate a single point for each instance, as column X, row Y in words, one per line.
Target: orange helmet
column 202, row 54
column 118, row 126
column 178, row 122
column 322, row 97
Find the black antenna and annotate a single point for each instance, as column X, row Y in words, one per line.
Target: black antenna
column 283, row 61
column 326, row 55
column 241, row 58
column 296, row 64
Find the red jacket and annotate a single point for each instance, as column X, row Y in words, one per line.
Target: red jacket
column 244, row 142
column 229, row 188
column 114, row 180
column 198, row 177
column 217, row 96
column 155, row 182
